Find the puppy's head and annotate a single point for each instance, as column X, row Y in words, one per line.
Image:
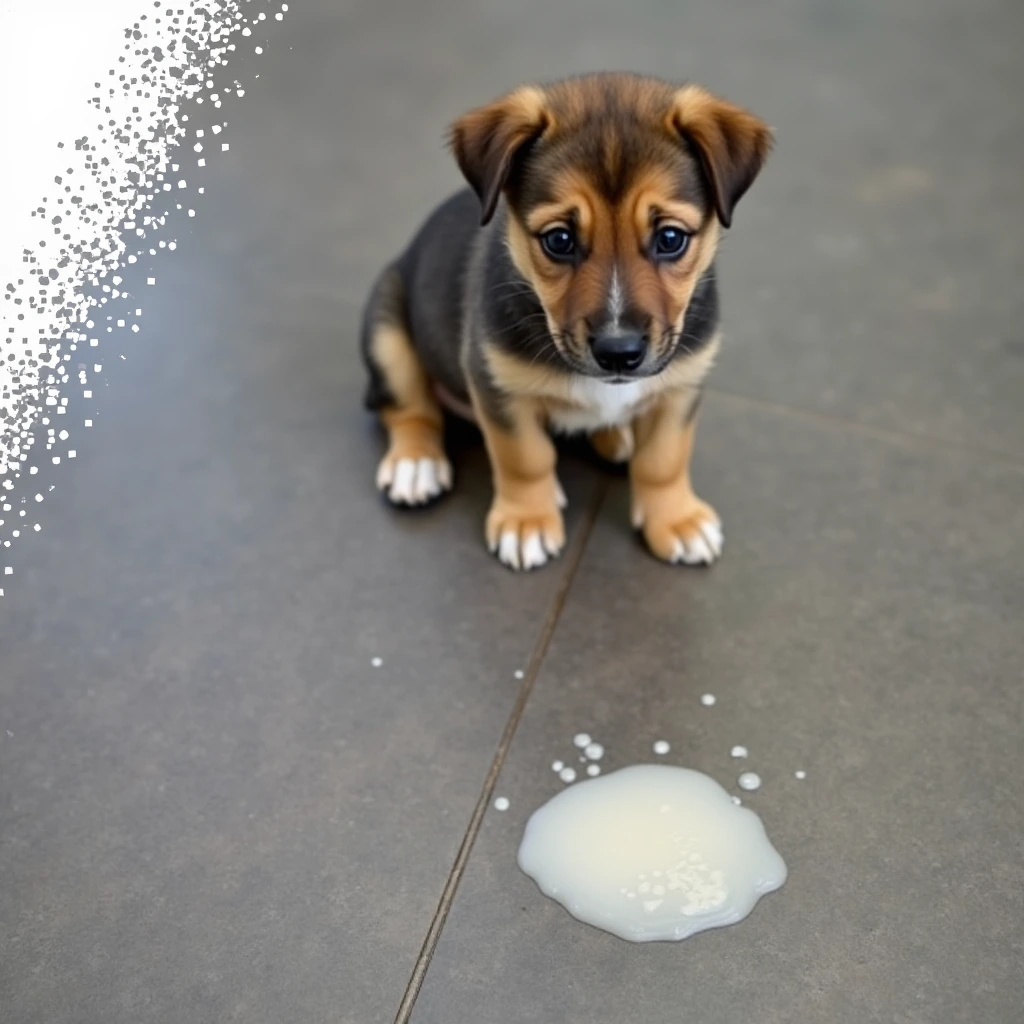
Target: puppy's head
column 616, row 186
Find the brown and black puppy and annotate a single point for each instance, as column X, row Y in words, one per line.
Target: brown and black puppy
column 572, row 289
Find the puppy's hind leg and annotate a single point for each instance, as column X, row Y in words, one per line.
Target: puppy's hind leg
column 414, row 469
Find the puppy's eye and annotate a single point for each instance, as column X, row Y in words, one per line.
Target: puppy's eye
column 670, row 242
column 559, row 243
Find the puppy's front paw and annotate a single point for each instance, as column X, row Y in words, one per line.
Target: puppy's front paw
column 526, row 535
column 677, row 526
column 413, row 478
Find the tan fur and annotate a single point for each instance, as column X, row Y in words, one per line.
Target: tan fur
column 689, row 374
column 415, row 423
column 527, row 495
column 664, row 505
column 614, row 444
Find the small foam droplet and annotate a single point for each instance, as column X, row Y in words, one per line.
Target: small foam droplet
column 662, row 747
column 593, row 770
column 518, row 673
column 501, row 804
column 739, row 752
column 557, row 766
column 376, row 662
column 581, row 739
column 708, row 699
column 594, row 751
column 749, row 781
column 737, row 801
column 801, row 774
column 567, row 774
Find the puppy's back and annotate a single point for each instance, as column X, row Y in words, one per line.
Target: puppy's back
column 433, row 272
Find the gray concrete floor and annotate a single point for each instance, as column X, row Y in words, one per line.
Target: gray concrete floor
column 213, row 807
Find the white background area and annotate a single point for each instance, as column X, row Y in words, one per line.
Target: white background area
column 71, row 69
column 52, row 54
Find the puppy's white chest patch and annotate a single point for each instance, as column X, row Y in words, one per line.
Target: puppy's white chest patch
column 595, row 403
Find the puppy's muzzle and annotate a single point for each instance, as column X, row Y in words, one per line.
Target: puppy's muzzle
column 618, row 353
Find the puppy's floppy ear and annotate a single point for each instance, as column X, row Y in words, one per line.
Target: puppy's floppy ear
column 486, row 141
column 732, row 144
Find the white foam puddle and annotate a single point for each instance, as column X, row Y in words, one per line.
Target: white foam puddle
column 650, row 853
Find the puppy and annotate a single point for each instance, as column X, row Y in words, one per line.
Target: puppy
column 570, row 289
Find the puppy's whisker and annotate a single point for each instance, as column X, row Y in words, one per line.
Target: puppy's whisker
column 540, row 349
column 523, row 321
column 513, row 288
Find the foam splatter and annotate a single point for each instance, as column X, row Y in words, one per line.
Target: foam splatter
column 108, row 199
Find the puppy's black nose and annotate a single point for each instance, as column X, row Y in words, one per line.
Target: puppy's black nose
column 618, row 353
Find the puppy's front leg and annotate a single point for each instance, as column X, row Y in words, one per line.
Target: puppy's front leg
column 676, row 524
column 524, row 526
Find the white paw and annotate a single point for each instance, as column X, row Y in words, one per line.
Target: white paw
column 702, row 546
column 414, row 481
column 529, row 549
